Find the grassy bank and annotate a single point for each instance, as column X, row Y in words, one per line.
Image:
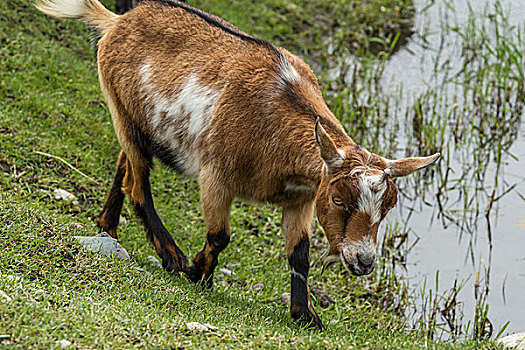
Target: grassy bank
column 50, row 103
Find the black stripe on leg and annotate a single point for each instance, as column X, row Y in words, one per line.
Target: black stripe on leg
column 301, row 308
column 206, row 260
column 300, row 264
column 173, row 259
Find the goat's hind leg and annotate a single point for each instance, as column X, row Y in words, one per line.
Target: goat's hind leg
column 110, row 215
column 137, row 186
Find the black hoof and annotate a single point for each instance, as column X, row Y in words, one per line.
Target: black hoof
column 194, row 274
column 307, row 318
column 174, row 261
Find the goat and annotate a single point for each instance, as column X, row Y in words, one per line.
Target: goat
column 247, row 120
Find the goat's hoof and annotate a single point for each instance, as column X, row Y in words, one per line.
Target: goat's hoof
column 174, row 263
column 307, row 318
column 194, row 274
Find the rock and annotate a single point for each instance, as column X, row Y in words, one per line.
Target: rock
column 514, row 341
column 103, row 244
column 122, row 220
column 63, row 343
column 4, row 296
column 227, row 272
column 64, row 195
column 259, row 287
column 286, row 298
column 122, row 253
column 196, row 326
column 154, row 260
column 233, row 267
column 324, row 299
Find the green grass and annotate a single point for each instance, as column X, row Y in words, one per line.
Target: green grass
column 50, row 102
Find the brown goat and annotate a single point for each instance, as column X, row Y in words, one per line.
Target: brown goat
column 245, row 118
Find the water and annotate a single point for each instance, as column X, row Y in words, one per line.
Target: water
column 456, row 236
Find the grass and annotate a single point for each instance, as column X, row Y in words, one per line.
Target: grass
column 50, row 103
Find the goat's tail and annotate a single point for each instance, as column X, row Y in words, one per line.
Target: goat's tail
column 91, row 12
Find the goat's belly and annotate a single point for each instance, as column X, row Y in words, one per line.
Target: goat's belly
column 177, row 119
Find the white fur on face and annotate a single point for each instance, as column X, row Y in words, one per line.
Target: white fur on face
column 181, row 117
column 371, row 189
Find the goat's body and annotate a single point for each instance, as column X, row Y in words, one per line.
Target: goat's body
column 236, row 90
column 238, row 114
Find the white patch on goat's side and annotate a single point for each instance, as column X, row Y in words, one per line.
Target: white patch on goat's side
column 184, row 115
column 371, row 189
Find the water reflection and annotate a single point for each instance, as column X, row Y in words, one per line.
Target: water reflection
column 458, row 88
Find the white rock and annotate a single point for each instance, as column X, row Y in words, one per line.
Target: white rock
column 286, row 299
column 63, row 343
column 64, row 195
column 4, row 296
column 259, row 287
column 122, row 220
column 103, row 244
column 514, row 341
column 227, row 272
column 154, row 260
column 196, row 326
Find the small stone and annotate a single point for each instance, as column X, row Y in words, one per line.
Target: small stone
column 122, row 220
column 103, row 244
column 219, row 275
column 64, row 195
column 227, row 272
column 259, row 287
column 63, row 343
column 286, row 299
column 233, row 267
column 514, row 341
column 5, row 297
column 324, row 299
column 196, row 326
column 154, row 260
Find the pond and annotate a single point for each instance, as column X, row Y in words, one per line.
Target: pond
column 456, row 87
column 461, row 76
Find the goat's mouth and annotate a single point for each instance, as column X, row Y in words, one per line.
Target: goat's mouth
column 351, row 266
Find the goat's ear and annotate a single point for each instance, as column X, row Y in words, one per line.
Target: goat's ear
column 406, row 166
column 332, row 157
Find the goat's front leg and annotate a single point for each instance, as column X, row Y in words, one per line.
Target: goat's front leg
column 296, row 226
column 215, row 203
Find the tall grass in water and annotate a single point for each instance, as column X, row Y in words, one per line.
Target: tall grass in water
column 471, row 113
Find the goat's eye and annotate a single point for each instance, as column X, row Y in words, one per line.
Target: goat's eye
column 337, row 201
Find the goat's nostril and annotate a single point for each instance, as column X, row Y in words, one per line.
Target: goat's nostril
column 365, row 260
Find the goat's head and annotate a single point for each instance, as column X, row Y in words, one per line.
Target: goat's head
column 355, row 194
